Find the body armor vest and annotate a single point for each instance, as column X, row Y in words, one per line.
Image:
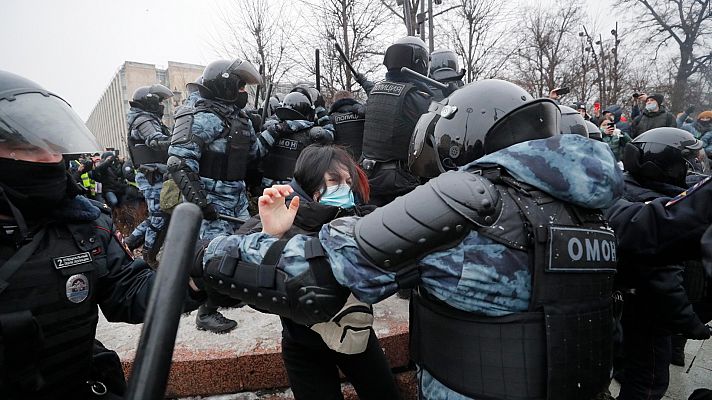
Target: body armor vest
column 138, row 151
column 232, row 164
column 387, row 131
column 561, row 348
column 48, row 313
column 279, row 163
column 348, row 127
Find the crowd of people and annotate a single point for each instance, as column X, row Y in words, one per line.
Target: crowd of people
column 552, row 249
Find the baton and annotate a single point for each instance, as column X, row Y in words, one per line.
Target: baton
column 165, row 305
column 264, row 108
column 423, row 78
column 231, row 219
column 318, row 70
column 346, row 60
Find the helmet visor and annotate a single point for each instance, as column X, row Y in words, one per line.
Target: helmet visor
column 246, row 71
column 46, row 122
column 161, row 91
column 698, row 163
column 423, row 160
column 538, row 119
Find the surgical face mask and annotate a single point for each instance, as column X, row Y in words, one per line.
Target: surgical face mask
column 651, row 106
column 241, row 101
column 338, row 196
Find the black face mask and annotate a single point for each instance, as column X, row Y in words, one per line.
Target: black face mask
column 241, row 101
column 704, row 126
column 160, row 110
column 33, row 188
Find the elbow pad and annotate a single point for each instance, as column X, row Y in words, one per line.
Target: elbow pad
column 435, row 216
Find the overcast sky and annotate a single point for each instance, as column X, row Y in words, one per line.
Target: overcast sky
column 74, row 47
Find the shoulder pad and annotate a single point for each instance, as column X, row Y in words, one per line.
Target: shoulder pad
column 141, row 118
column 145, row 125
column 434, row 216
column 183, row 128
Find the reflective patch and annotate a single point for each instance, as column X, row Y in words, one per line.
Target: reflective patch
column 72, row 260
column 688, row 192
column 344, row 118
column 389, row 88
column 77, row 288
column 581, row 250
column 288, row 144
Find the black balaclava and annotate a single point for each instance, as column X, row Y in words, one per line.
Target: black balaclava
column 32, row 188
column 241, row 100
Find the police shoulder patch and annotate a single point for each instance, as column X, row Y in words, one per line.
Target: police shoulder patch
column 688, row 192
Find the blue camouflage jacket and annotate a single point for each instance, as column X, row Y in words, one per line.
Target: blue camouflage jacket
column 477, row 275
column 208, row 128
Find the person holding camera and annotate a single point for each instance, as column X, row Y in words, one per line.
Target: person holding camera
column 614, row 137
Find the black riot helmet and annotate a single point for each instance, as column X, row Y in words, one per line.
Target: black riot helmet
column 443, row 66
column 149, row 98
column 665, row 155
column 194, row 86
column 481, row 118
column 30, row 115
column 314, row 95
column 593, row 131
column 408, row 51
column 273, row 104
column 572, row 122
column 223, row 79
column 296, row 106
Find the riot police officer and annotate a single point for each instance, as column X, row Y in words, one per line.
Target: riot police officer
column 148, row 145
column 393, row 108
column 444, row 69
column 60, row 254
column 212, row 143
column 348, row 117
column 298, row 130
column 657, row 164
column 501, row 252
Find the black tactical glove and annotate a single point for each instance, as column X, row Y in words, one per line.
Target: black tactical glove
column 161, row 145
column 278, row 130
column 360, row 79
column 689, row 110
column 451, row 87
column 699, row 332
column 320, row 135
column 210, row 213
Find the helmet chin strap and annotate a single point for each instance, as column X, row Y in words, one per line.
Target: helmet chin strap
column 16, row 214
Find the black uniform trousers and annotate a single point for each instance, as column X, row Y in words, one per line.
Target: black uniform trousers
column 313, row 368
column 647, row 355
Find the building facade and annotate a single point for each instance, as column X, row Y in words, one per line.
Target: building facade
column 107, row 120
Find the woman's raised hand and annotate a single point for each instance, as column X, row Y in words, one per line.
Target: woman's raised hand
column 276, row 216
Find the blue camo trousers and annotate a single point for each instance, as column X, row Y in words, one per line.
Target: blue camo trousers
column 155, row 221
column 228, row 198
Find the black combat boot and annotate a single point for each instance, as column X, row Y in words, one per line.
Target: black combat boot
column 677, row 343
column 212, row 320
